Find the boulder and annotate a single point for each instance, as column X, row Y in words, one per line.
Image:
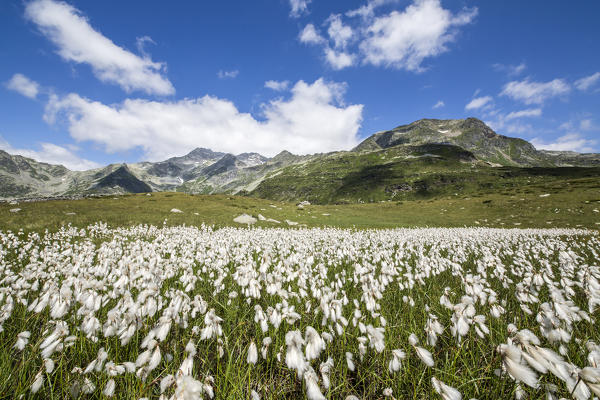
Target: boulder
column 245, row 219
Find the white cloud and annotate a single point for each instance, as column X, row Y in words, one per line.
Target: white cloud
column 299, row 7
column 140, row 43
column 510, row 123
column 439, row 104
column 339, row 33
column 312, row 119
column 587, row 82
column 23, row 85
column 511, row 70
column 310, row 35
column 51, row 154
column 404, row 39
column 535, row 92
column 228, row 74
column 277, row 85
column 338, row 59
column 568, row 142
column 584, row 124
column 530, row 112
column 77, row 41
column 518, row 128
column 478, row 102
column 368, row 10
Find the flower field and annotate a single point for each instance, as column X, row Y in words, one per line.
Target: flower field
column 200, row 313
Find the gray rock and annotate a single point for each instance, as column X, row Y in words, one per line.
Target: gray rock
column 245, row 219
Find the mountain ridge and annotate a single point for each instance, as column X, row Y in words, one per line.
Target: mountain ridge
column 422, row 143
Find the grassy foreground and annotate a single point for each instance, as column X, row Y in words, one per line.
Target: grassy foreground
column 103, row 313
column 576, row 204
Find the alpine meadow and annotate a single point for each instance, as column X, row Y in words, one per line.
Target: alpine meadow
column 297, row 199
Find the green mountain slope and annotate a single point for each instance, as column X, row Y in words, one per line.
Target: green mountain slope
column 426, row 158
column 404, row 173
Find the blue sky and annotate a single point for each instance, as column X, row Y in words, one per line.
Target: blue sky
column 88, row 83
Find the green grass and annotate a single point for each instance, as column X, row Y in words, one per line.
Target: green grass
column 570, row 204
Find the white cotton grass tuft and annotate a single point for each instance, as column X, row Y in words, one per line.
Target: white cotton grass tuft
column 447, row 392
column 265, row 347
column 314, row 343
column 512, row 362
column 166, row 382
column 325, row 369
column 154, row 359
column 252, row 354
column 212, row 326
column 396, row 362
column 38, row 381
column 423, row 354
column 109, row 389
column 433, row 328
column 313, row 392
column 49, row 365
column 87, row 386
column 376, row 338
column 591, row 377
column 188, row 388
column 294, row 358
column 22, row 340
column 350, row 361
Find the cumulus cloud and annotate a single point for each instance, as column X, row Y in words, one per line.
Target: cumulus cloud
column 478, row 102
column 535, row 92
column 309, row 35
column 23, row 85
column 439, row 104
column 228, row 74
column 52, row 154
column 568, row 142
column 401, row 40
column 298, row 7
column 530, row 112
column 79, row 42
column 588, row 81
column 338, row 59
column 277, row 85
column 312, row 119
column 339, row 33
column 404, row 39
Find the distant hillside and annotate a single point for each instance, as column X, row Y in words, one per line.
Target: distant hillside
column 471, row 134
column 426, row 158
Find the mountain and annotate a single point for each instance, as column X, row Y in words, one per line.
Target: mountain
column 171, row 173
column 470, row 134
column 120, row 180
column 425, row 158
